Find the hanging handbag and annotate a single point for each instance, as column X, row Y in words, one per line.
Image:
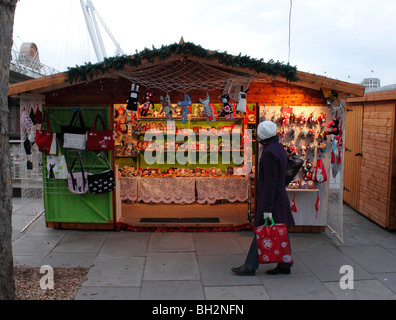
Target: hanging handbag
column 45, row 139
column 273, row 243
column 294, row 164
column 320, row 172
column 56, row 166
column 77, row 182
column 98, row 140
column 101, row 182
column 75, row 137
column 26, row 121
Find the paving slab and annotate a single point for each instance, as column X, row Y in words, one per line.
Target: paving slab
column 388, row 279
column 296, row 288
column 108, row 293
column 171, row 242
column 252, row 292
column 81, row 241
column 362, row 290
column 171, row 266
column 70, row 259
column 374, row 259
column 326, row 264
column 216, row 271
column 125, row 244
column 36, row 244
column 115, row 272
column 217, row 243
column 172, row 290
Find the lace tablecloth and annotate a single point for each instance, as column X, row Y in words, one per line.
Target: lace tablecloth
column 232, row 189
column 128, row 189
column 166, row 190
column 184, row 190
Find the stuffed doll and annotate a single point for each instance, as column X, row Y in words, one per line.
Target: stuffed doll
column 207, row 108
column 334, row 126
column 148, row 101
column 241, row 104
column 227, row 107
column 167, row 107
column 184, row 107
column 308, row 170
column 133, row 98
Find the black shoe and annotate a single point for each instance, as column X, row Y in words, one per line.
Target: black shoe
column 279, row 269
column 243, row 271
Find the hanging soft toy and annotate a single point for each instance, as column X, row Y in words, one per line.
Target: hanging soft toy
column 167, row 107
column 308, row 170
column 241, row 104
column 207, row 108
column 148, row 102
column 133, row 98
column 334, row 126
column 311, row 120
column 285, row 120
column 322, row 119
column 184, row 107
column 227, row 107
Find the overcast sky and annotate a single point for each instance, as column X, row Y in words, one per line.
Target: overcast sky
column 342, row 39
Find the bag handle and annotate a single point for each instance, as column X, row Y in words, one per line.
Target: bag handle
column 101, row 119
column 82, row 171
column 101, row 154
column 268, row 217
column 77, row 115
column 47, row 121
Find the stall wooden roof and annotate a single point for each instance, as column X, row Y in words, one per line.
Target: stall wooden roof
column 205, row 66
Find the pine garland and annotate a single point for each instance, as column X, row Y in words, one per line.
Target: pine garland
column 89, row 70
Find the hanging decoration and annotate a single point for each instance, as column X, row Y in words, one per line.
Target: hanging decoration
column 207, row 108
column 184, row 107
column 147, row 103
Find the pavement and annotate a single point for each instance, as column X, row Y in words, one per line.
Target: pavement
column 196, row 266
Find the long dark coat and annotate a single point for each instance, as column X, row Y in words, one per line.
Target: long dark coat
column 271, row 191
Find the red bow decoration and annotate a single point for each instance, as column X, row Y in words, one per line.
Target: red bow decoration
column 317, row 205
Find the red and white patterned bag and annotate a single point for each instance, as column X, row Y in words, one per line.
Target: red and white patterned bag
column 273, row 243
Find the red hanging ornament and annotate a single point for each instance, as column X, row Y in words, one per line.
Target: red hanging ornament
column 317, row 205
column 294, row 206
column 332, row 157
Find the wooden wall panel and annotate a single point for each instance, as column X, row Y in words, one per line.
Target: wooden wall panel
column 376, row 166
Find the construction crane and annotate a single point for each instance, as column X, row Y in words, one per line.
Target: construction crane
column 90, row 15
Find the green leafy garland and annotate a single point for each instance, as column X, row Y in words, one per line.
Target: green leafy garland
column 89, row 70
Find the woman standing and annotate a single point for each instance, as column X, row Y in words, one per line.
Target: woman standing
column 272, row 197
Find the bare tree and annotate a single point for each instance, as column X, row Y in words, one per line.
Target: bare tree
column 7, row 287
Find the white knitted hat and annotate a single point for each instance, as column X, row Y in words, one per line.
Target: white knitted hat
column 266, row 129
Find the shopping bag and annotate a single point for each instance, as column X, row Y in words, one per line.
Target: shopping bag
column 45, row 138
column 56, row 166
column 77, row 182
column 273, row 243
column 75, row 137
column 102, row 182
column 100, row 139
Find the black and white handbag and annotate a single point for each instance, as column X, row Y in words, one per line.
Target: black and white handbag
column 101, row 182
column 74, row 136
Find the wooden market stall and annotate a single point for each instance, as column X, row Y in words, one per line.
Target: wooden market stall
column 370, row 161
column 199, row 194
